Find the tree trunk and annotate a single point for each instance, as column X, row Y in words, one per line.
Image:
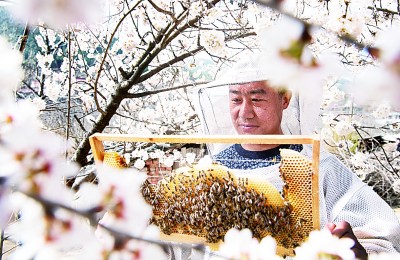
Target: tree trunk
column 84, row 147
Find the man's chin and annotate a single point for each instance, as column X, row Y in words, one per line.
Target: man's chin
column 248, row 132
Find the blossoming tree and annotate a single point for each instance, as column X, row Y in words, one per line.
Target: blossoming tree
column 128, row 68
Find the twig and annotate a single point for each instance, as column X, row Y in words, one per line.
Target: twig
column 69, row 89
column 2, row 238
column 152, row 92
column 105, row 56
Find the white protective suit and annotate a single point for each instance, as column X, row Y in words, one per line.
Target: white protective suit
column 343, row 196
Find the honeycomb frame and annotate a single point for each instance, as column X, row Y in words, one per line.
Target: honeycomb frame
column 310, row 173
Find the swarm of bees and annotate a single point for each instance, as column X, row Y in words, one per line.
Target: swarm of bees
column 207, row 202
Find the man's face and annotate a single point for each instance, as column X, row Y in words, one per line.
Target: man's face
column 257, row 108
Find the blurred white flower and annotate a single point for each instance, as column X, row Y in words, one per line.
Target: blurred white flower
column 389, row 51
column 350, row 25
column 212, row 15
column 327, row 134
column 168, row 161
column 10, row 70
column 205, row 162
column 51, row 232
column 289, row 60
column 321, row 244
column 59, row 14
column 327, row 119
column 381, row 83
column 382, row 111
column 129, row 42
column 337, row 95
column 39, row 103
column 190, row 157
column 157, row 154
column 44, row 61
column 240, row 244
column 140, row 153
column 40, row 42
column 177, row 155
column 377, row 84
column 344, row 127
column 139, row 164
column 127, row 158
column 127, row 211
column 359, row 159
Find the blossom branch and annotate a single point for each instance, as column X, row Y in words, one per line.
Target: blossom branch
column 105, row 56
column 119, row 235
column 275, row 5
column 90, row 216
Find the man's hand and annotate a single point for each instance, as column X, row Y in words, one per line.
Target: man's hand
column 343, row 229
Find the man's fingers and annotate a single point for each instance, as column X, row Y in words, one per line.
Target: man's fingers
column 343, row 229
column 330, row 226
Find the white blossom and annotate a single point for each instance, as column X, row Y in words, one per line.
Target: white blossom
column 344, row 127
column 205, row 162
column 40, row 42
column 52, row 90
column 139, row 164
column 190, row 157
column 359, row 159
column 168, row 161
column 322, row 243
column 213, row 41
column 212, row 15
column 127, row 211
column 396, row 186
column 41, row 234
column 196, row 9
column 157, row 154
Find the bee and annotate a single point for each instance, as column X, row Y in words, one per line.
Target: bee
column 299, row 223
column 258, row 217
column 219, row 219
column 246, row 213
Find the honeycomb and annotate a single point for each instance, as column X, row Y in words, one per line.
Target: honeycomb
column 113, row 159
column 296, row 171
column 261, row 186
column 199, row 205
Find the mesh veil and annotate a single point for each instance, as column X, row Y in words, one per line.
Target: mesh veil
column 212, row 101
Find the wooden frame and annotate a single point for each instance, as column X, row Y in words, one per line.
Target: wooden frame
column 96, row 143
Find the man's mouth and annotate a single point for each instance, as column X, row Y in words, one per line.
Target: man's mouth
column 247, row 126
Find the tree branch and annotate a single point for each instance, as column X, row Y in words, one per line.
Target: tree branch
column 152, row 92
column 105, row 56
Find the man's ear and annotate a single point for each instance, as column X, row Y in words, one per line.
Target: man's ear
column 286, row 98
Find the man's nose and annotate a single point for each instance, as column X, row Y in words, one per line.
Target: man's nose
column 246, row 110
